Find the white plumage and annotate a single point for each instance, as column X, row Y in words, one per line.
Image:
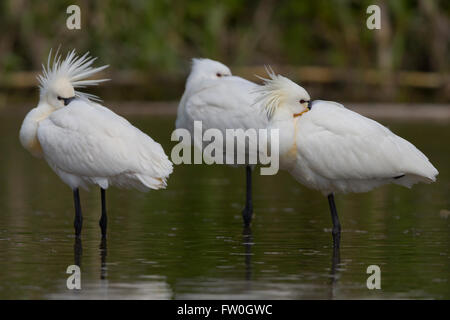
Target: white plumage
column 330, row 148
column 221, row 101
column 84, row 142
column 340, row 151
column 333, row 149
column 218, row 99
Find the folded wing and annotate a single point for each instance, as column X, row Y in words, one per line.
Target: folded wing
column 88, row 140
column 339, row 144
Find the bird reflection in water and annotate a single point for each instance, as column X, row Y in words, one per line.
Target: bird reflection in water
column 335, row 261
column 78, row 254
column 247, row 241
column 103, row 254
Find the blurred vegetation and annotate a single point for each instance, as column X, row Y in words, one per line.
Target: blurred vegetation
column 159, row 37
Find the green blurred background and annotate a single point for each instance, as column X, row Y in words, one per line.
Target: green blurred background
column 325, row 45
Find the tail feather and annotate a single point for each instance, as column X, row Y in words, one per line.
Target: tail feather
column 417, row 167
column 152, row 182
column 408, row 180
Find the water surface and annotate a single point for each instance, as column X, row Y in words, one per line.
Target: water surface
column 187, row 242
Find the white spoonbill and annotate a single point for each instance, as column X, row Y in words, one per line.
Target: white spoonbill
column 86, row 143
column 330, row 148
column 221, row 101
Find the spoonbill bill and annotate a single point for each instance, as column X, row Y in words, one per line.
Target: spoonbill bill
column 86, row 143
column 220, row 101
column 330, row 148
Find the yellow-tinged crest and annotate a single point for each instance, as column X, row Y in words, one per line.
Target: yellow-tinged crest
column 278, row 90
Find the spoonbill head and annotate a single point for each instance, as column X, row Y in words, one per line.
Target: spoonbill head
column 207, row 69
column 58, row 80
column 280, row 96
column 60, row 93
column 57, row 85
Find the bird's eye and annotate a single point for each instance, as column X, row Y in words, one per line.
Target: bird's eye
column 218, row 74
column 59, row 98
column 302, row 101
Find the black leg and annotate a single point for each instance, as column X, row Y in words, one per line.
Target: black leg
column 336, row 231
column 103, row 220
column 248, row 210
column 78, row 222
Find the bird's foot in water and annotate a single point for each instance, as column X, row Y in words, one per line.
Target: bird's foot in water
column 78, row 223
column 336, row 233
column 247, row 215
column 103, row 223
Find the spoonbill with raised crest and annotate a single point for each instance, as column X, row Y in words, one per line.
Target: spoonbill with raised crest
column 330, row 148
column 86, row 143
